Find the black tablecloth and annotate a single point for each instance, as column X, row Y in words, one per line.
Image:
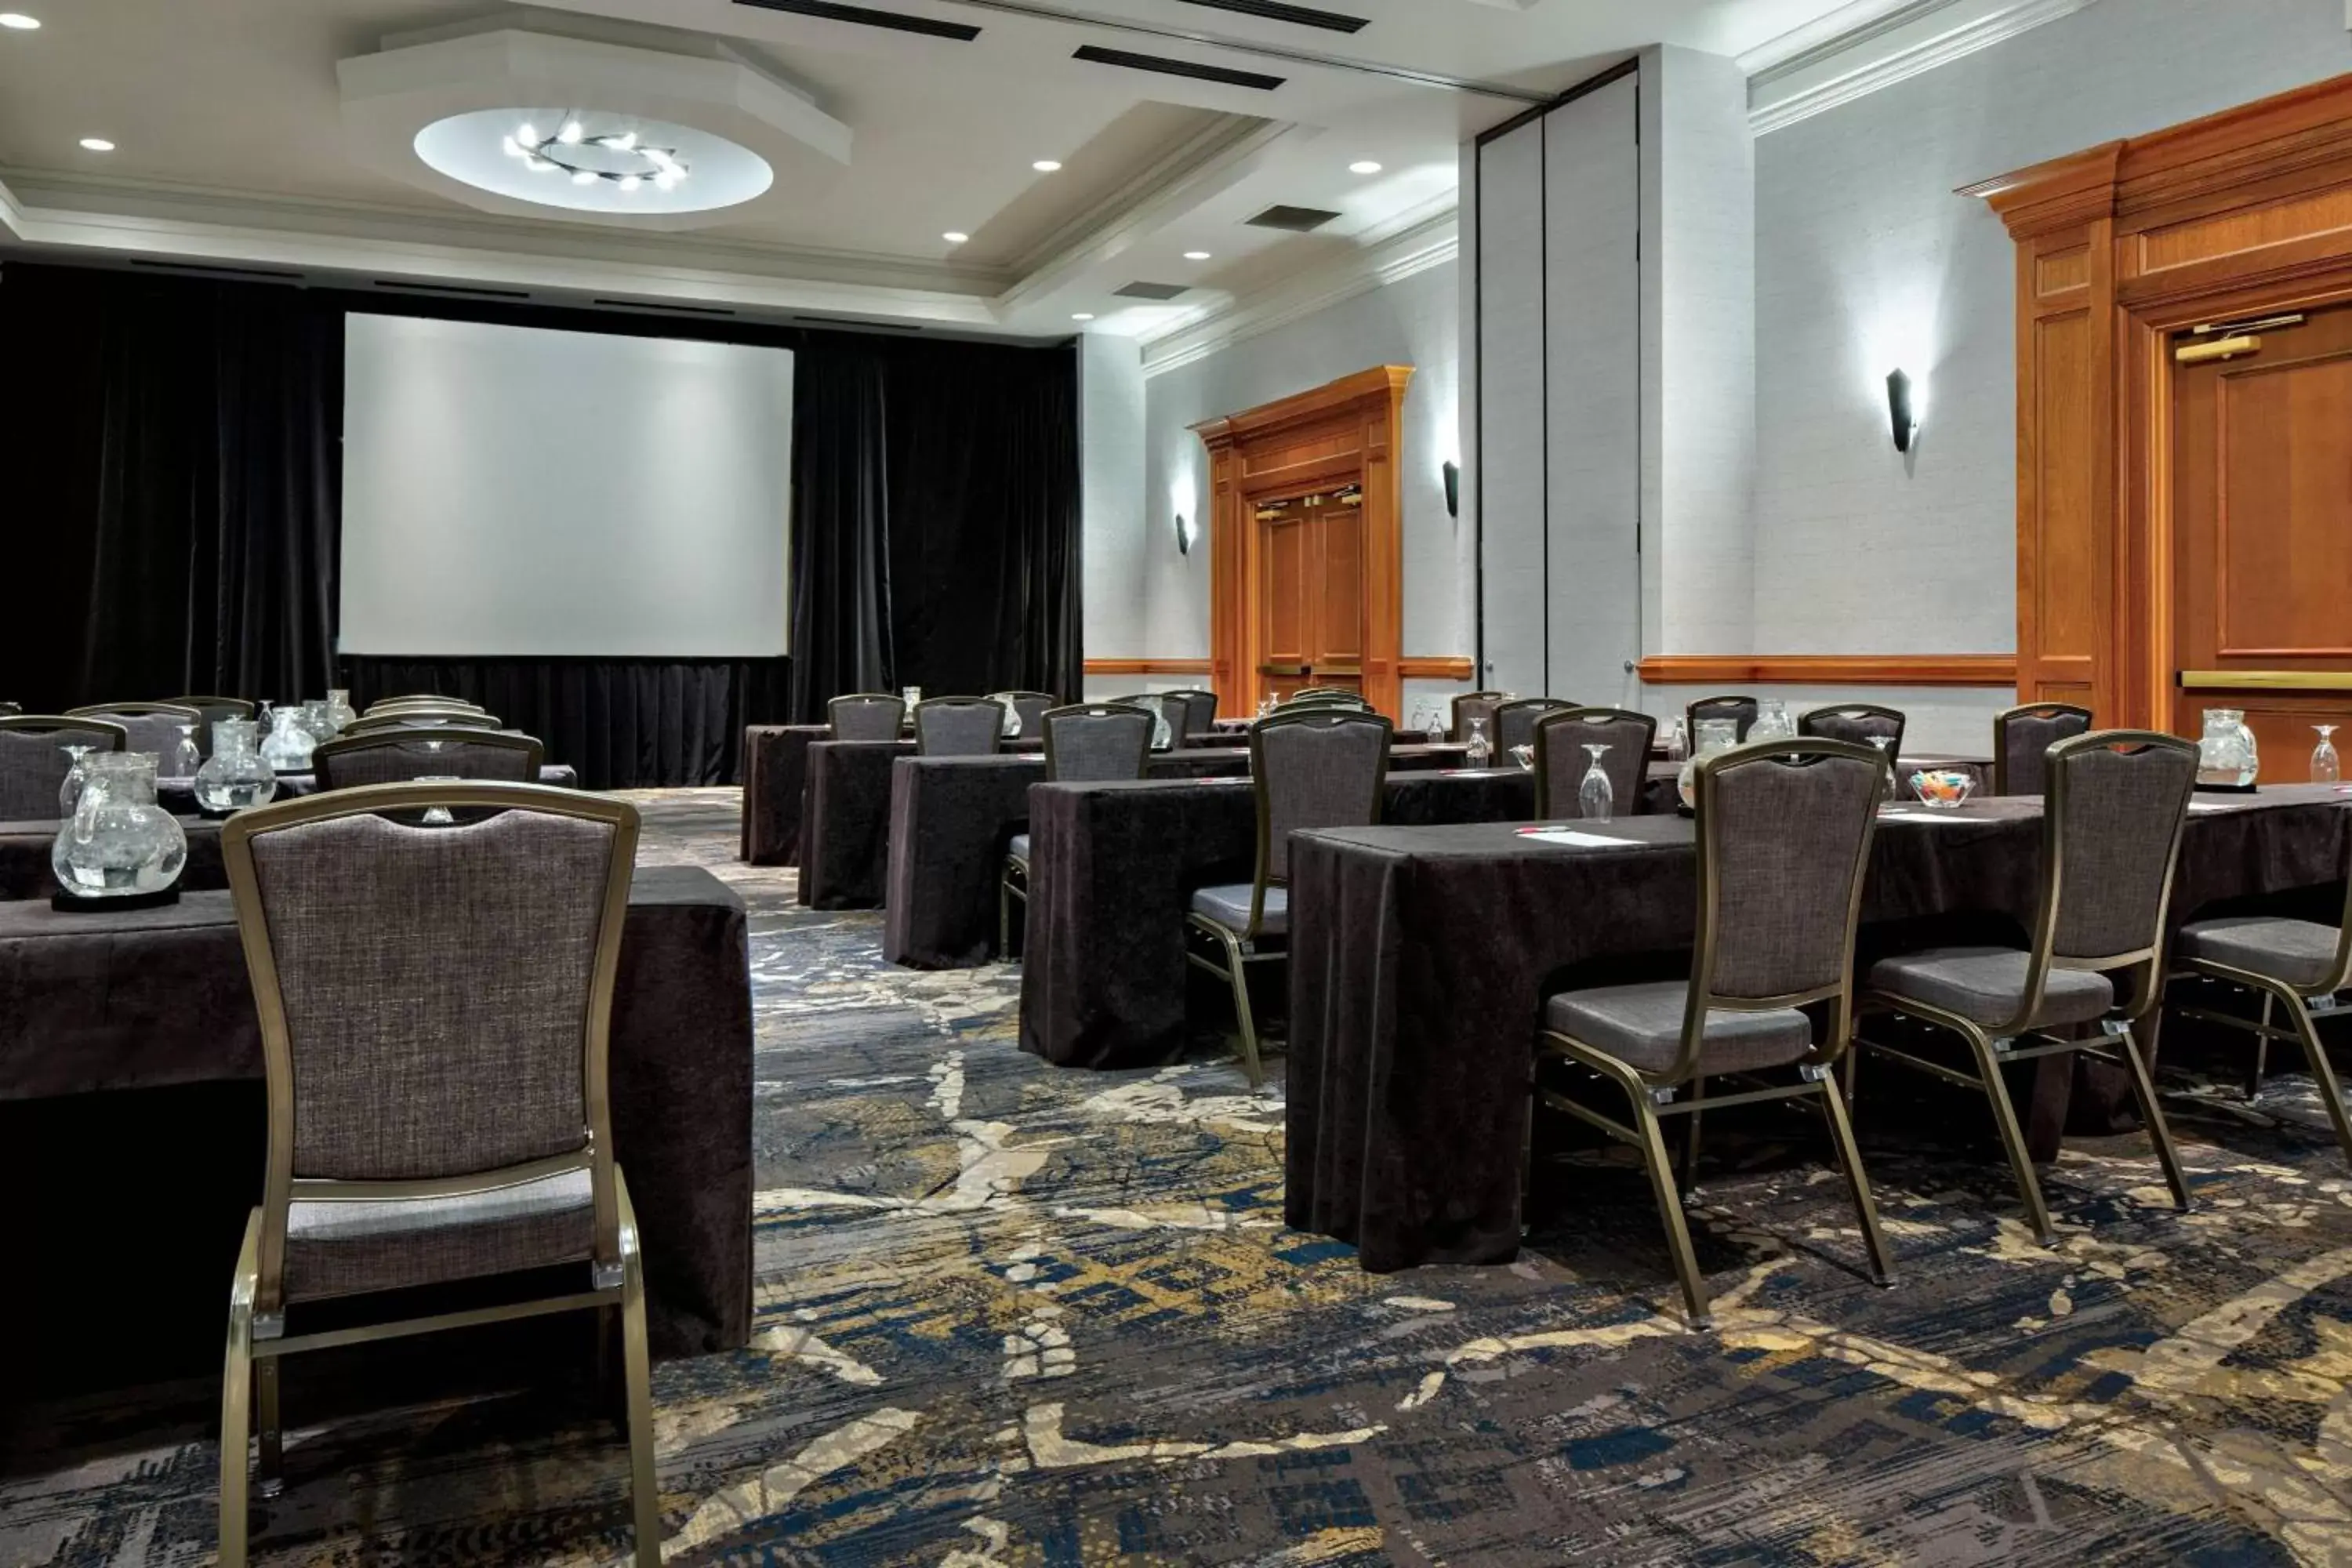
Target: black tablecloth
column 1111, row 869
column 178, row 797
column 775, row 775
column 155, row 998
column 951, row 818
column 1420, row 960
column 24, row 858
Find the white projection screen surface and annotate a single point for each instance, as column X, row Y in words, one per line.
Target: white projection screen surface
column 514, row 491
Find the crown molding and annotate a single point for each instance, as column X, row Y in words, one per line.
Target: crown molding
column 1813, row 69
column 1431, row 239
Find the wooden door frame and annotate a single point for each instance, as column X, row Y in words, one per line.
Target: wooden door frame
column 1264, row 454
column 2245, row 212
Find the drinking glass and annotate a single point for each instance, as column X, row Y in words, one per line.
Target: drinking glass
column 2325, row 766
column 1595, row 795
column 69, row 791
column 184, row 759
column 1677, row 743
column 437, row 816
column 1481, row 751
column 1437, row 724
column 1885, row 744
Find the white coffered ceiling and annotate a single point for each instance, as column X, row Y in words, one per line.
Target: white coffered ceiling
column 237, row 145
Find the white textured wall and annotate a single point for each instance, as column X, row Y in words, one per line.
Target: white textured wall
column 1413, row 321
column 1866, row 259
column 1113, row 526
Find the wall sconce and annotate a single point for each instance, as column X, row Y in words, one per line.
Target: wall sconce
column 1453, row 489
column 1900, row 412
column 1186, row 531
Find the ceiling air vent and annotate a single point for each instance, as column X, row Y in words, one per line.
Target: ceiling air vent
column 1295, row 220
column 663, row 308
column 1152, row 290
column 1275, row 11
column 463, row 290
column 866, row 17
column 1167, row 67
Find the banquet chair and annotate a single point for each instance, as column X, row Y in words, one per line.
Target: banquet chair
column 153, row 726
column 435, row 1006
column 958, row 727
column 400, row 755
column 1476, row 705
column 1861, row 723
column 2022, row 735
column 418, row 699
column 1741, row 709
column 9, row 710
column 2111, row 827
column 374, row 721
column 33, row 761
column 2298, row 967
column 866, row 716
column 1561, row 760
column 1029, row 707
column 1325, row 697
column 214, row 710
column 1784, row 831
column 1085, row 743
column 1310, row 768
column 1516, row 720
column 1200, row 711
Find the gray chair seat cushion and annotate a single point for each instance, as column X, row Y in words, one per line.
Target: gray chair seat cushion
column 1987, row 984
column 1019, row 847
column 1642, row 1026
column 1230, row 908
column 351, row 1248
column 2299, row 952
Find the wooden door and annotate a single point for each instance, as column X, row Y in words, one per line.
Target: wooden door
column 1311, row 604
column 2263, row 536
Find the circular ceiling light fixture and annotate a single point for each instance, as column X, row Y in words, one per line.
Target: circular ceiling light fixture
column 617, row 164
column 96, row 144
column 1364, row 166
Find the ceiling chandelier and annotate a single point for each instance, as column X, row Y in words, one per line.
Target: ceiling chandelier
column 617, row 158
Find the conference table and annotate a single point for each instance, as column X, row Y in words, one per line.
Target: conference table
column 775, row 785
column 1421, row 958
column 101, row 1004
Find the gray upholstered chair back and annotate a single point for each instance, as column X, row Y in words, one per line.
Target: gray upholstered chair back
column 420, row 718
column 1741, row 710
column 866, row 716
column 1861, row 723
column 1515, row 722
column 153, row 726
column 10, row 709
column 1784, row 829
column 1354, row 700
column 1030, row 708
column 1561, row 759
column 1200, row 711
column 2022, row 735
column 33, row 761
column 1088, row 742
column 439, row 986
column 399, row 755
column 958, row 727
column 2115, row 806
column 1476, row 705
column 1314, row 768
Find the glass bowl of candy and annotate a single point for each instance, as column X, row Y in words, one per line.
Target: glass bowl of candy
column 1943, row 788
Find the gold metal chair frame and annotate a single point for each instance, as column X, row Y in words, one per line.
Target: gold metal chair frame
column 1015, row 883
column 2305, row 1006
column 2013, row 1041
column 1656, row 1095
column 324, row 754
column 240, row 708
column 257, row 1337
column 1543, row 744
column 2000, row 722
column 377, row 722
column 995, row 735
column 395, row 704
column 44, row 723
column 1240, row 949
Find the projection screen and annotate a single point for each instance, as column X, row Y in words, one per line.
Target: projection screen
column 511, row 490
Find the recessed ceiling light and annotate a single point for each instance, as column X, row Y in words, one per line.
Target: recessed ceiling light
column 97, row 145
column 953, row 237
column 1045, row 165
column 1196, row 256
column 1082, row 316
column 1366, row 167
column 18, row 21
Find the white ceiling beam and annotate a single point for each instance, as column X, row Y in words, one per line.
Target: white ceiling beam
column 1881, row 44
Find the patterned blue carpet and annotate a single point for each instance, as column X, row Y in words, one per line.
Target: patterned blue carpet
column 1014, row 1316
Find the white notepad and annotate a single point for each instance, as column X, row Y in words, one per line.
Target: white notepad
column 1924, row 817
column 1570, row 836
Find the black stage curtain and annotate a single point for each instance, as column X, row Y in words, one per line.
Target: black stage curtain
column 934, row 519
column 626, row 723
column 174, row 447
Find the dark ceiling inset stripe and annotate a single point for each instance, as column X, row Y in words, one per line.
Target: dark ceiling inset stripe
column 1301, row 15
column 470, row 291
column 1167, row 67
column 664, row 309
column 866, row 17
